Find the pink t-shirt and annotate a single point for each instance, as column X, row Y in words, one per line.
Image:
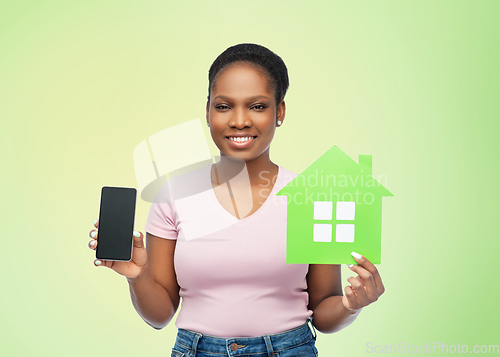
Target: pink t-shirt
column 233, row 276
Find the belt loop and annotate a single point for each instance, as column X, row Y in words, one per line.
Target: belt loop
column 197, row 337
column 309, row 321
column 269, row 346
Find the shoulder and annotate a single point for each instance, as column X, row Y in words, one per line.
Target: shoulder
column 186, row 184
column 284, row 177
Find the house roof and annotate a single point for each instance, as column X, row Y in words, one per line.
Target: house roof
column 335, row 170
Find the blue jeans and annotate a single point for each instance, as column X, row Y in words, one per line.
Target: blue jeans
column 298, row 342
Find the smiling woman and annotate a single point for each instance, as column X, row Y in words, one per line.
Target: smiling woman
column 247, row 84
column 238, row 292
column 243, row 116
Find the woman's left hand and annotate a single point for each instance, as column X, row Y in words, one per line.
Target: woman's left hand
column 365, row 288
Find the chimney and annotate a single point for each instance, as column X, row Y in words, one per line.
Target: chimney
column 366, row 164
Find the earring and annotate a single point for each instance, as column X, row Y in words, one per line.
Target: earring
column 208, row 124
column 279, row 122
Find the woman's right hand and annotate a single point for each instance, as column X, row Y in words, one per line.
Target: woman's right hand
column 131, row 269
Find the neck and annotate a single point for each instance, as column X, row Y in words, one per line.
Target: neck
column 261, row 171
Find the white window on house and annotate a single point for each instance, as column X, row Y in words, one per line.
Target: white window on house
column 344, row 232
column 345, row 210
column 323, row 210
column 322, row 233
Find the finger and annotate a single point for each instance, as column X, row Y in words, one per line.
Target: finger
column 365, row 263
column 96, row 223
column 358, row 287
column 103, row 263
column 351, row 298
column 93, row 244
column 138, row 239
column 93, row 234
column 370, row 286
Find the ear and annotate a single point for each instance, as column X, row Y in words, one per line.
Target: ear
column 280, row 114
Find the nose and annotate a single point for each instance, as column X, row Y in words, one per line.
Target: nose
column 240, row 119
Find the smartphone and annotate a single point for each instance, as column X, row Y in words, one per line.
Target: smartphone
column 115, row 239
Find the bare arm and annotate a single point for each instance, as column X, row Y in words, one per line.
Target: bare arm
column 155, row 292
column 332, row 311
column 150, row 274
column 325, row 298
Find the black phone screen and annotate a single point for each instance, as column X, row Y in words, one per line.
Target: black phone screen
column 116, row 223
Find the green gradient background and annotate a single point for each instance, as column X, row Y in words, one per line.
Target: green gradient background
column 413, row 83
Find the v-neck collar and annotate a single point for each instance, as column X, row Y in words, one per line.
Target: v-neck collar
column 253, row 215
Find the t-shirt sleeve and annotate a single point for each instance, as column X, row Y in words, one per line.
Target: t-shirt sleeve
column 161, row 220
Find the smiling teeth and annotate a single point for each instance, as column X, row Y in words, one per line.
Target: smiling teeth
column 240, row 139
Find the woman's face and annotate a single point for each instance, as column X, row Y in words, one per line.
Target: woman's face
column 242, row 112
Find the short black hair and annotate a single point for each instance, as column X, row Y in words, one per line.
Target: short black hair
column 265, row 59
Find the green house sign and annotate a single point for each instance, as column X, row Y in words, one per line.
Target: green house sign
column 334, row 207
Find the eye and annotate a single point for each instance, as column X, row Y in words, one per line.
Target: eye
column 259, row 106
column 221, row 107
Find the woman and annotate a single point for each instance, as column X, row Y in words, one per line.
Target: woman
column 239, row 295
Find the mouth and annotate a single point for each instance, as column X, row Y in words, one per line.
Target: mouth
column 240, row 142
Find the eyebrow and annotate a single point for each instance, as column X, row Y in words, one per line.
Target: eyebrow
column 250, row 98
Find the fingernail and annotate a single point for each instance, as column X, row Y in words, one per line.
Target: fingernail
column 92, row 243
column 350, row 265
column 356, row 255
column 137, row 234
column 97, row 262
column 93, row 234
column 350, row 276
column 95, row 222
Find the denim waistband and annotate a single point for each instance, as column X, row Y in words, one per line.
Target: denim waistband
column 248, row 345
